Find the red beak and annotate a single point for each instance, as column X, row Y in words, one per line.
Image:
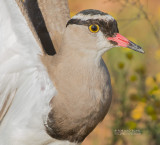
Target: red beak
column 124, row 42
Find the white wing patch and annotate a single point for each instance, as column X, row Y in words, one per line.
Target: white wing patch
column 25, row 87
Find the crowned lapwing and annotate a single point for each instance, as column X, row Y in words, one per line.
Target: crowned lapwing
column 55, row 100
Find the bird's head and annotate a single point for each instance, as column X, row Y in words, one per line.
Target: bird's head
column 97, row 31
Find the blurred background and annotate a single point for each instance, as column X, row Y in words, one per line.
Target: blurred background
column 134, row 115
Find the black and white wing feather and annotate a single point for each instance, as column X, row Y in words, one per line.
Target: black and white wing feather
column 25, row 87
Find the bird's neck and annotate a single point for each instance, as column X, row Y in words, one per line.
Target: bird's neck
column 75, row 72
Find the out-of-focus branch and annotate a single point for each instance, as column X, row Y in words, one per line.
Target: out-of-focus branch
column 141, row 14
column 146, row 16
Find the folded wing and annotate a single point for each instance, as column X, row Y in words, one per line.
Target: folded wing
column 48, row 18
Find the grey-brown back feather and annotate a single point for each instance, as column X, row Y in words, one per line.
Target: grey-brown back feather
column 47, row 19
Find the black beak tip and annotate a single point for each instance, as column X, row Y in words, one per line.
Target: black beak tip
column 135, row 47
column 141, row 50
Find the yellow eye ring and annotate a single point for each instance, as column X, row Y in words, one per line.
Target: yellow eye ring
column 94, row 28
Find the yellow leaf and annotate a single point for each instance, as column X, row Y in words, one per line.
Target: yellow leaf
column 137, row 113
column 150, row 82
column 156, row 93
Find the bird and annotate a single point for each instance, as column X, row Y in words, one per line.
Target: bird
column 55, row 99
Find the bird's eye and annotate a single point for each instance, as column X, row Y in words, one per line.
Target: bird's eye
column 94, row 28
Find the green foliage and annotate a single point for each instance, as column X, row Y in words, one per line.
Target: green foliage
column 136, row 97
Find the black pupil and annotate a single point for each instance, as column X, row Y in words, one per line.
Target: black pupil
column 94, row 28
